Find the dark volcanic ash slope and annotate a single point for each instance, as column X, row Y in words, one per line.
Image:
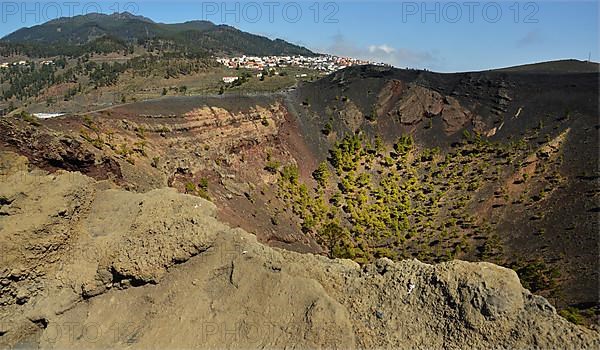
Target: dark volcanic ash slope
column 404, row 100
column 550, row 221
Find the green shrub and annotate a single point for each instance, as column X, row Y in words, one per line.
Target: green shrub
column 290, row 173
column 29, row 118
column 272, row 166
column 536, row 276
column 190, row 188
column 327, row 129
column 202, row 193
column 404, row 145
column 203, row 183
column 321, row 175
column 572, row 315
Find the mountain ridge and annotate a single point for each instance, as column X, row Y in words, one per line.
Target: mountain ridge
column 562, row 66
column 202, row 36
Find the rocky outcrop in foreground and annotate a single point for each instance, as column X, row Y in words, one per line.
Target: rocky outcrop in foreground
column 85, row 265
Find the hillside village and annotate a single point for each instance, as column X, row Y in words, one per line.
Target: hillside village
column 324, row 63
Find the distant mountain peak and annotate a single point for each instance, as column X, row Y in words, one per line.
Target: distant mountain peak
column 96, row 16
column 129, row 15
column 192, row 36
column 197, row 21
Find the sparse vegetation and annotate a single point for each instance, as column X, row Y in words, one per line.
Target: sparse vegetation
column 327, row 129
column 321, row 175
column 572, row 315
column 402, row 202
column 203, row 183
column 29, row 118
column 536, row 276
column 272, row 166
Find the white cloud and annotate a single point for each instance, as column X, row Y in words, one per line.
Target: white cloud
column 396, row 56
column 385, row 48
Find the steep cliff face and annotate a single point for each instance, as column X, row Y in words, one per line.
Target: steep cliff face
column 87, row 265
column 223, row 143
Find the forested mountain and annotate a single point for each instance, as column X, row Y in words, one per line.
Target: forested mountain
column 200, row 37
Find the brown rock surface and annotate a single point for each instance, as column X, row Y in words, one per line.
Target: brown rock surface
column 87, row 266
column 412, row 103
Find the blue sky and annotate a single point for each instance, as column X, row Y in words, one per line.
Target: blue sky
column 437, row 35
